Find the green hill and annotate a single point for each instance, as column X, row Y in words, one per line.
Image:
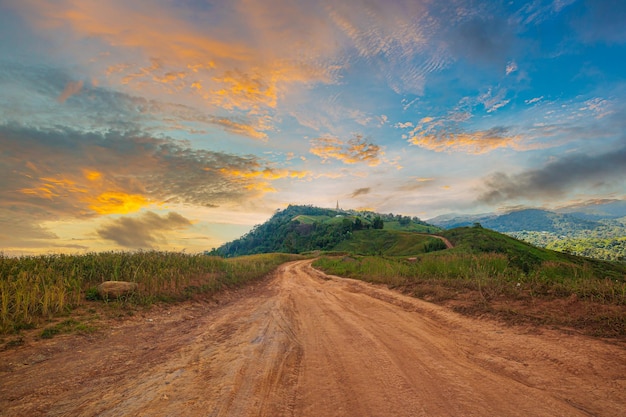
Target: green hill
column 523, row 255
column 299, row 229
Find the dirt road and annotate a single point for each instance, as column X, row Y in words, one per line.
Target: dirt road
column 304, row 344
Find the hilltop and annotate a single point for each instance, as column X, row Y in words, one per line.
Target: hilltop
column 298, row 229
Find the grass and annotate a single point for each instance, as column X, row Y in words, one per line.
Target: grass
column 37, row 288
column 491, row 274
column 66, row 326
column 389, row 242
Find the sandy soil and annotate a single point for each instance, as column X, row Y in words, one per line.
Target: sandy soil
column 305, row 344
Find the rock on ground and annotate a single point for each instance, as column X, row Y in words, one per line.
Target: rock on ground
column 114, row 289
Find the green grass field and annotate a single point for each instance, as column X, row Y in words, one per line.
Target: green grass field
column 33, row 289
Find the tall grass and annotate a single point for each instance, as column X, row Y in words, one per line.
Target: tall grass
column 491, row 274
column 36, row 287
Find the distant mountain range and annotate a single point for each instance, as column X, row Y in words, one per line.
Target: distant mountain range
column 601, row 209
column 529, row 219
column 565, row 220
column 595, row 230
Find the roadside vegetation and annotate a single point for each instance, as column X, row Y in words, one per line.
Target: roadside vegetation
column 490, row 273
column 36, row 289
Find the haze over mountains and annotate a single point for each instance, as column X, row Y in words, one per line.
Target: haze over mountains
column 594, row 230
column 583, row 216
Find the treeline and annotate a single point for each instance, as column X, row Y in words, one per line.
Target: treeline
column 607, row 241
column 607, row 249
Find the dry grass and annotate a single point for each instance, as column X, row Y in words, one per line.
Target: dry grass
column 36, row 288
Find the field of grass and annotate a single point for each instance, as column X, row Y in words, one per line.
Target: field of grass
column 413, row 227
column 389, row 242
column 310, row 219
column 33, row 289
column 490, row 273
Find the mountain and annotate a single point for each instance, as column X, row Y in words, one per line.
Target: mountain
column 452, row 220
column 521, row 254
column 602, row 209
column 529, row 219
column 589, row 230
column 298, row 229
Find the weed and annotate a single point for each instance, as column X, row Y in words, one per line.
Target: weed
column 49, row 332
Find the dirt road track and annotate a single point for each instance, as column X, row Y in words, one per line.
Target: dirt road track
column 304, row 344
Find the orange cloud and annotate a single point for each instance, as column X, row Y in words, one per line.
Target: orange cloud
column 476, row 143
column 54, row 187
column 356, row 150
column 92, row 175
column 254, row 131
column 263, row 187
column 116, row 202
column 243, row 90
column 97, row 200
column 234, row 72
column 258, row 180
column 71, row 88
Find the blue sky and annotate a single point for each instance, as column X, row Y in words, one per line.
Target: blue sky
column 178, row 125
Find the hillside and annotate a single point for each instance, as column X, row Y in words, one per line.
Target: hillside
column 298, row 229
column 389, row 242
column 523, row 255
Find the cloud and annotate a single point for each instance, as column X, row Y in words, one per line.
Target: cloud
column 183, row 47
column 21, row 228
column 143, row 231
column 71, row 89
column 477, row 142
column 511, row 67
column 64, row 173
column 533, row 100
column 492, row 101
column 247, row 56
column 355, row 150
column 360, row 191
column 598, row 106
column 558, row 178
column 96, row 107
column 396, row 38
column 442, row 135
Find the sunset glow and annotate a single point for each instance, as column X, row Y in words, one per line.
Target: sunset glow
column 184, row 123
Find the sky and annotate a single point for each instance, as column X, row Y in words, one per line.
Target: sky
column 179, row 125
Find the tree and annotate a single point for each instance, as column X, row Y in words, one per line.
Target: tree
column 378, row 223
